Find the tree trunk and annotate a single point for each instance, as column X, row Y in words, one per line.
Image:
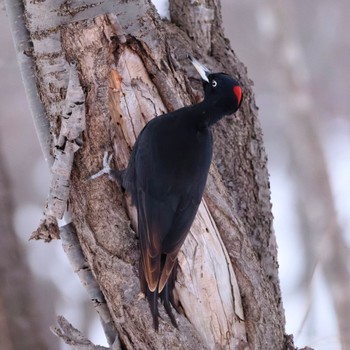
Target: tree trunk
column 103, row 70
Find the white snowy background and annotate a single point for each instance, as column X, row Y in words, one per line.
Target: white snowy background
column 245, row 25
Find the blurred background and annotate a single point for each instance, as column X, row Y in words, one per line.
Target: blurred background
column 297, row 55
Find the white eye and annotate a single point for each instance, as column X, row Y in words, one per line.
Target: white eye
column 214, row 83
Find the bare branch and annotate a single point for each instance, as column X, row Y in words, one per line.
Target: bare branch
column 80, row 266
column 73, row 337
column 24, row 49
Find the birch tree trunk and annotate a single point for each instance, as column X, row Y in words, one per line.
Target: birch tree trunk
column 103, row 69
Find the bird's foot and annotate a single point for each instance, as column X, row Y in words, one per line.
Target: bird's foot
column 141, row 296
column 106, row 166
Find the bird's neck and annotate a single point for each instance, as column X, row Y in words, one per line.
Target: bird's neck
column 207, row 114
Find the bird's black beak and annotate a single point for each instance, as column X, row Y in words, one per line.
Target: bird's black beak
column 202, row 70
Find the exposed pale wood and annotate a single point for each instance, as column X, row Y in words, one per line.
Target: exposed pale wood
column 238, row 193
column 131, row 95
column 206, row 285
column 132, row 67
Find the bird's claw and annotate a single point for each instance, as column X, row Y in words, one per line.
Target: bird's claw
column 107, row 160
column 106, row 166
column 141, row 296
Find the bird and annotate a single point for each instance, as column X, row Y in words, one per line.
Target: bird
column 166, row 176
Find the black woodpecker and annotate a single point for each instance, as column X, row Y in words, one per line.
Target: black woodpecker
column 166, row 176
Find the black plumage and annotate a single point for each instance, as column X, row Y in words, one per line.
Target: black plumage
column 166, row 176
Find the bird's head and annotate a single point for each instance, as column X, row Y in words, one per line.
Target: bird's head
column 221, row 90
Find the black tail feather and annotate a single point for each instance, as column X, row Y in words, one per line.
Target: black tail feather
column 167, row 299
column 166, row 296
column 152, row 298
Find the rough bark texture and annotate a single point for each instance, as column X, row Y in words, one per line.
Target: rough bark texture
column 133, row 66
column 241, row 162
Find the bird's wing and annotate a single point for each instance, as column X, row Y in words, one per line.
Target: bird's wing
column 165, row 210
column 150, row 242
column 176, row 236
column 162, row 228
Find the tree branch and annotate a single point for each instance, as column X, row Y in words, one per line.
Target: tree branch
column 74, row 338
column 77, row 260
column 24, row 50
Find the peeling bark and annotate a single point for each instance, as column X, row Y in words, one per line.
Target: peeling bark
column 132, row 66
column 241, row 162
